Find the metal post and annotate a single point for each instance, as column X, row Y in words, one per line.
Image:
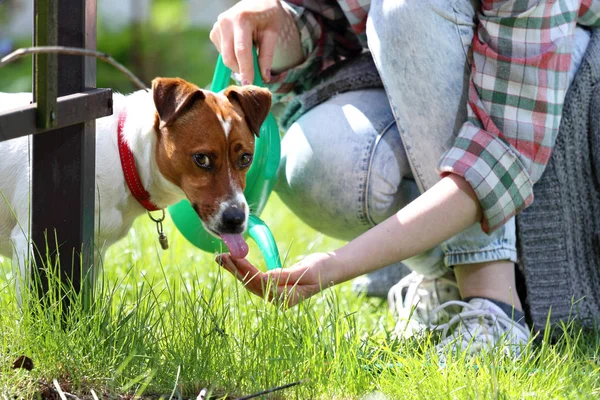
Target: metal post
column 64, row 160
column 45, row 90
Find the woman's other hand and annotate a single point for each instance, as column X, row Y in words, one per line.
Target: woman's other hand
column 264, row 23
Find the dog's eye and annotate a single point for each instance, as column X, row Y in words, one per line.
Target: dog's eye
column 245, row 160
column 202, row 160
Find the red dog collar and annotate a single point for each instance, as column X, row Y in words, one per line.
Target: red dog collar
column 130, row 171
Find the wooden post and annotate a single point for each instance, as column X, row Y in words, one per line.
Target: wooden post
column 64, row 160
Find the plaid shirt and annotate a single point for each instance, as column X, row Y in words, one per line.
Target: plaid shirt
column 519, row 78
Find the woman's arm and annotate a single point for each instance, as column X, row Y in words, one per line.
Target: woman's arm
column 446, row 209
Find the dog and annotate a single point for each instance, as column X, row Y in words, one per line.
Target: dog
column 158, row 147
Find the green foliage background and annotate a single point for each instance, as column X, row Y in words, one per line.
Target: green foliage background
column 166, row 46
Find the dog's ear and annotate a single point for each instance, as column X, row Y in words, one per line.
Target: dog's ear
column 172, row 96
column 255, row 103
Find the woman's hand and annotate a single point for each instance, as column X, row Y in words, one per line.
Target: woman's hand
column 289, row 285
column 260, row 22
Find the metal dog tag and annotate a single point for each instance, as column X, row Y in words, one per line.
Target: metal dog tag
column 164, row 242
column 162, row 238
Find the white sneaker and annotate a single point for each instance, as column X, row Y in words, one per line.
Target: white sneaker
column 413, row 299
column 379, row 282
column 481, row 325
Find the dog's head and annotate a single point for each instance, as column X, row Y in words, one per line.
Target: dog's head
column 206, row 145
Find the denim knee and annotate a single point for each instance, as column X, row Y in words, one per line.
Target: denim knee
column 406, row 39
column 390, row 185
column 409, row 20
column 343, row 164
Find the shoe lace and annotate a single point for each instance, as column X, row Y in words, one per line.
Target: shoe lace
column 415, row 292
column 477, row 324
column 403, row 295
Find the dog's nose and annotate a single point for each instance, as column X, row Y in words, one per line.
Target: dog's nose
column 233, row 217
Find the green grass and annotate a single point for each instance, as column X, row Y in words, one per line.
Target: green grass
column 168, row 322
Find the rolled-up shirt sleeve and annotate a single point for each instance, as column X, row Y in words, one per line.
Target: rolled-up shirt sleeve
column 519, row 78
column 326, row 35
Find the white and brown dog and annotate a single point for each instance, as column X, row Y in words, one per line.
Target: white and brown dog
column 159, row 147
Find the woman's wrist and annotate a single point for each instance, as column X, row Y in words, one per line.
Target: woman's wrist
column 327, row 269
column 337, row 267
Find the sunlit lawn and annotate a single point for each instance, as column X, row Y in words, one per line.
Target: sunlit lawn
column 170, row 323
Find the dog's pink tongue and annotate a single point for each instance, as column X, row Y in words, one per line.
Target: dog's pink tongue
column 238, row 248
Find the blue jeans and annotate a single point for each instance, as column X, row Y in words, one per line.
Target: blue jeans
column 361, row 156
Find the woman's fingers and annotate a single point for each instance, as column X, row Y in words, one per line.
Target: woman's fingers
column 266, row 46
column 286, row 286
column 242, row 46
column 227, row 48
column 244, row 272
column 271, row 285
column 215, row 36
column 249, row 22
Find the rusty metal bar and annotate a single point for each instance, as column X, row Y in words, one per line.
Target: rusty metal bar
column 45, row 66
column 88, row 155
column 72, row 109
